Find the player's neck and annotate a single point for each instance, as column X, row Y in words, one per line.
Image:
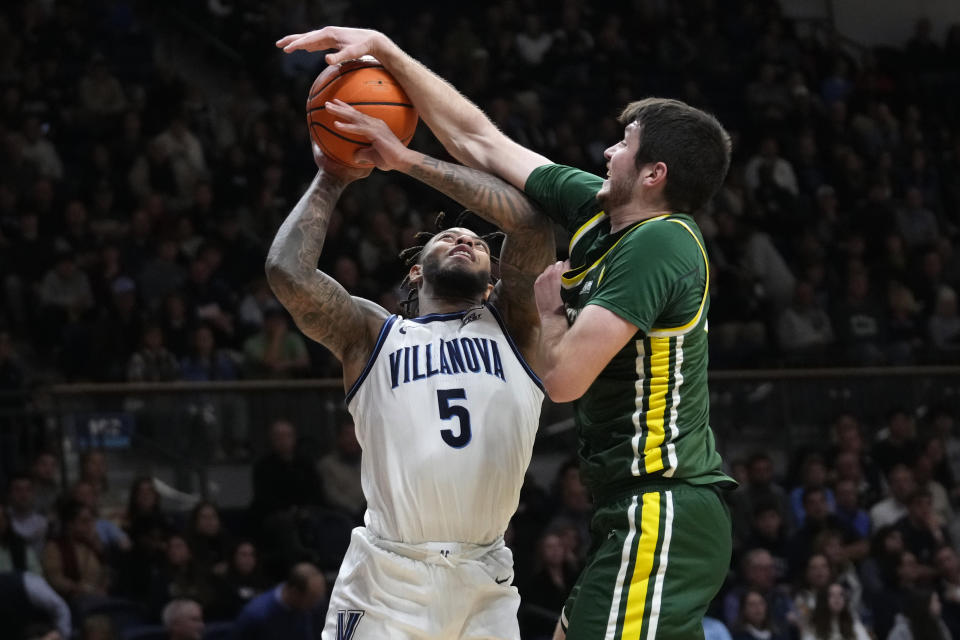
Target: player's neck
column 633, row 212
column 430, row 302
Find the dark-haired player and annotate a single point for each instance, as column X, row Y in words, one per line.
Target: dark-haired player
column 624, row 335
column 446, row 408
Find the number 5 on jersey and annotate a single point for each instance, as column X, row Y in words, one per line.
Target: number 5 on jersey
column 448, row 411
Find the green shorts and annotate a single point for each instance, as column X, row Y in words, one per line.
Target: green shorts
column 658, row 558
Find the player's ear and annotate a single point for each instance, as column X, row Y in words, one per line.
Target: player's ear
column 653, row 174
column 486, row 295
column 416, row 275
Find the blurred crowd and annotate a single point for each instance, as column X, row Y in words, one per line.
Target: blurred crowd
column 854, row 539
column 150, row 151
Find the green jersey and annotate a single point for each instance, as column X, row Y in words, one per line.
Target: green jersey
column 647, row 413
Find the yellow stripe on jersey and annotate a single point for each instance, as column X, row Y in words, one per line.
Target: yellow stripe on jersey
column 677, row 331
column 642, row 567
column 657, row 403
column 568, row 281
column 586, row 226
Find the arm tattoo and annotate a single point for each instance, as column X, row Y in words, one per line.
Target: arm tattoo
column 528, row 248
column 486, row 195
column 320, row 306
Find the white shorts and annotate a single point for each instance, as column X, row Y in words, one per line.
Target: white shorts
column 435, row 591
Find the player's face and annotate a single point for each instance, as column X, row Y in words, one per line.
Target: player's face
column 622, row 171
column 456, row 262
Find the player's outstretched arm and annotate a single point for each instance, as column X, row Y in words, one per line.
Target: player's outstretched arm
column 320, row 306
column 463, row 129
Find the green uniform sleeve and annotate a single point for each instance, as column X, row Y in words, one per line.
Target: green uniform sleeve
column 567, row 195
column 655, row 278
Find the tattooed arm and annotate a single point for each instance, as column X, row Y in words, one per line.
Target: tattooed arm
column 320, row 306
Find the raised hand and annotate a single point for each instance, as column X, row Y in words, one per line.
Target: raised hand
column 547, row 289
column 387, row 152
column 349, row 43
column 342, row 171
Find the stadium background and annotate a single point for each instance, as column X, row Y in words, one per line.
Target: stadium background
column 150, row 151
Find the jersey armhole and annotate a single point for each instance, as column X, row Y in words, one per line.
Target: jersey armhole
column 373, row 357
column 513, row 346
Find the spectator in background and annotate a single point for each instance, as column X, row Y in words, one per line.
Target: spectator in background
column 15, row 553
column 713, row 629
column 101, row 95
column 897, row 443
column 144, row 514
column 65, row 292
column 573, row 509
column 210, row 544
column 948, row 587
column 93, row 469
column 242, row 582
column 921, row 618
column 832, row 618
column 848, row 509
column 185, row 155
column 547, row 589
column 205, row 361
column 768, row 532
column 889, row 510
column 754, row 621
column 111, row 539
column 816, row 577
column 339, row 472
column 275, row 351
column 944, row 325
column 852, row 460
column 923, row 479
column 813, row 475
column 293, row 610
column 859, row 319
column 917, row 225
column 153, row 362
column 759, row 489
column 183, row 619
column 71, row 563
column 804, row 327
column 283, row 478
column 758, row 575
column 23, row 516
column 922, row 531
column 780, row 169
column 179, row 577
column 46, row 481
column 162, row 274
column 29, row 608
column 39, row 151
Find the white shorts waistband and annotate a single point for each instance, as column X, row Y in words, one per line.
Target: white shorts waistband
column 449, row 553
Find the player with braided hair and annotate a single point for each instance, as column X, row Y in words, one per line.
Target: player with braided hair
column 446, row 403
column 411, row 256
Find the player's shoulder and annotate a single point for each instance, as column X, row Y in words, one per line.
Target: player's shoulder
column 666, row 233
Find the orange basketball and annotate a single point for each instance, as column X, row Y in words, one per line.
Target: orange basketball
column 365, row 85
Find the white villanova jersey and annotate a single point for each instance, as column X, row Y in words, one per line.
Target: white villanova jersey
column 446, row 411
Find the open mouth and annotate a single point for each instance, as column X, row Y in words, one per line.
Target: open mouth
column 461, row 251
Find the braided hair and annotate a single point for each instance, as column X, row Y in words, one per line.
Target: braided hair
column 411, row 255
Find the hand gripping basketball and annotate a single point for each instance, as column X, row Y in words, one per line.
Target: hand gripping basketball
column 365, row 85
column 386, row 151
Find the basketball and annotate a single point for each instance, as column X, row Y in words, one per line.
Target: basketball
column 366, row 86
